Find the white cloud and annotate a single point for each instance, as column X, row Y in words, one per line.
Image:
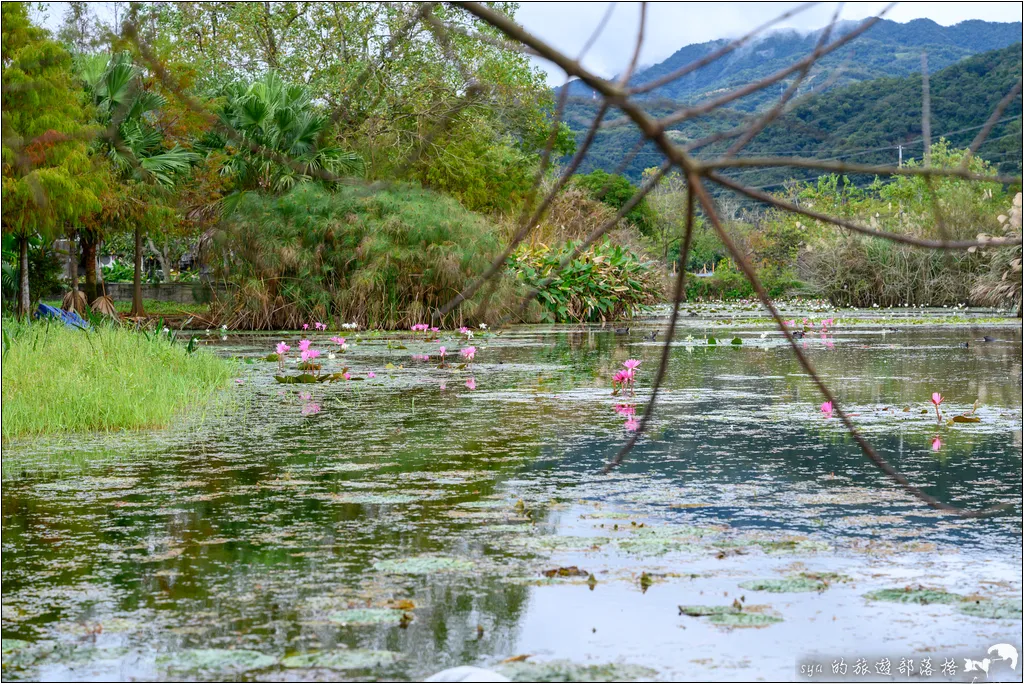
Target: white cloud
column 672, row 25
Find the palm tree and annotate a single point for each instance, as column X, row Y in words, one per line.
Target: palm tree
column 280, row 129
column 133, row 145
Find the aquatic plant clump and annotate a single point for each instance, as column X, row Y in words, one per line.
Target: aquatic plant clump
column 919, row 595
column 215, row 660
column 994, row 610
column 63, row 380
column 568, row 671
column 424, row 565
column 786, row 585
column 343, row 659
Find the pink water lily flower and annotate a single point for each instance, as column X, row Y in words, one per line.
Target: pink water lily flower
column 937, row 399
column 320, row 326
column 468, row 353
column 310, row 355
column 622, row 377
column 305, row 396
column 304, row 345
column 631, row 364
column 282, row 348
column 305, row 326
column 632, row 424
column 442, row 350
column 471, row 384
column 435, row 330
column 340, row 341
column 311, row 408
column 936, row 443
column 465, row 331
column 826, row 408
column 420, row 327
column 347, row 375
column 625, row 409
column 790, row 323
column 371, row 374
column 444, row 386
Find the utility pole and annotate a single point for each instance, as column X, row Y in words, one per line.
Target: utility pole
column 900, row 148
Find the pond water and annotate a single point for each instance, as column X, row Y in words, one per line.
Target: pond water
column 406, row 527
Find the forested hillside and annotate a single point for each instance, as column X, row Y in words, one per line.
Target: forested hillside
column 888, row 48
column 863, row 122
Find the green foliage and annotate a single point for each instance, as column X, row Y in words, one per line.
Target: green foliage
column 48, row 181
column 282, row 130
column 606, row 282
column 616, row 191
column 853, row 270
column 385, row 259
column 45, row 268
column 62, row 380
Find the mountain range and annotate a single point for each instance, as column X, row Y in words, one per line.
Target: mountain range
column 860, row 102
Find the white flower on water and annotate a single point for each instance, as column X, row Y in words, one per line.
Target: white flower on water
column 483, row 326
column 330, row 355
column 764, row 335
column 223, row 327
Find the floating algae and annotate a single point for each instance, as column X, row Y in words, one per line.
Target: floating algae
column 568, row 671
column 367, row 616
column 740, row 619
column 782, row 586
column 994, row 610
column 215, row 660
column 343, row 659
column 919, row 595
column 424, row 565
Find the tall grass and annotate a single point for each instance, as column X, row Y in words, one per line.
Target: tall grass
column 60, row 380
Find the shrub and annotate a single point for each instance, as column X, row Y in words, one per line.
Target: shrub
column 606, row 282
column 615, row 190
column 384, row 259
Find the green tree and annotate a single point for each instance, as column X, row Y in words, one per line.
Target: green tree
column 615, row 191
column 135, row 148
column 48, row 180
column 280, row 127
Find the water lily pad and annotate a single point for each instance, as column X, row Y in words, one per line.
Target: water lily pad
column 741, row 619
column 372, row 498
column 919, row 595
column 216, row 660
column 554, row 542
column 568, row 671
column 966, row 419
column 786, row 585
column 704, row 611
column 424, row 565
column 367, row 616
column 343, row 659
column 993, row 610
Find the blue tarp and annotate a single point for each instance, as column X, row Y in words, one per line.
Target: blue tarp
column 69, row 318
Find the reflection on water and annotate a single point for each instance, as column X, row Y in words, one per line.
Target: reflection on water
column 259, row 529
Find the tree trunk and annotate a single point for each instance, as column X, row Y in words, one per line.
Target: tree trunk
column 24, row 302
column 89, row 255
column 165, row 262
column 137, row 309
column 73, row 261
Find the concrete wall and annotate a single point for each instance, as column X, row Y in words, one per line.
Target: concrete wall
column 182, row 293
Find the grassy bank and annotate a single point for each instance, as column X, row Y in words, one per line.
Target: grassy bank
column 60, row 380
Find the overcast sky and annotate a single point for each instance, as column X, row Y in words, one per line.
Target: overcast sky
column 671, row 25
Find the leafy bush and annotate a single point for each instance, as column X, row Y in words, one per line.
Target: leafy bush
column 606, row 282
column 385, row 259
column 728, row 282
column 615, row 191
